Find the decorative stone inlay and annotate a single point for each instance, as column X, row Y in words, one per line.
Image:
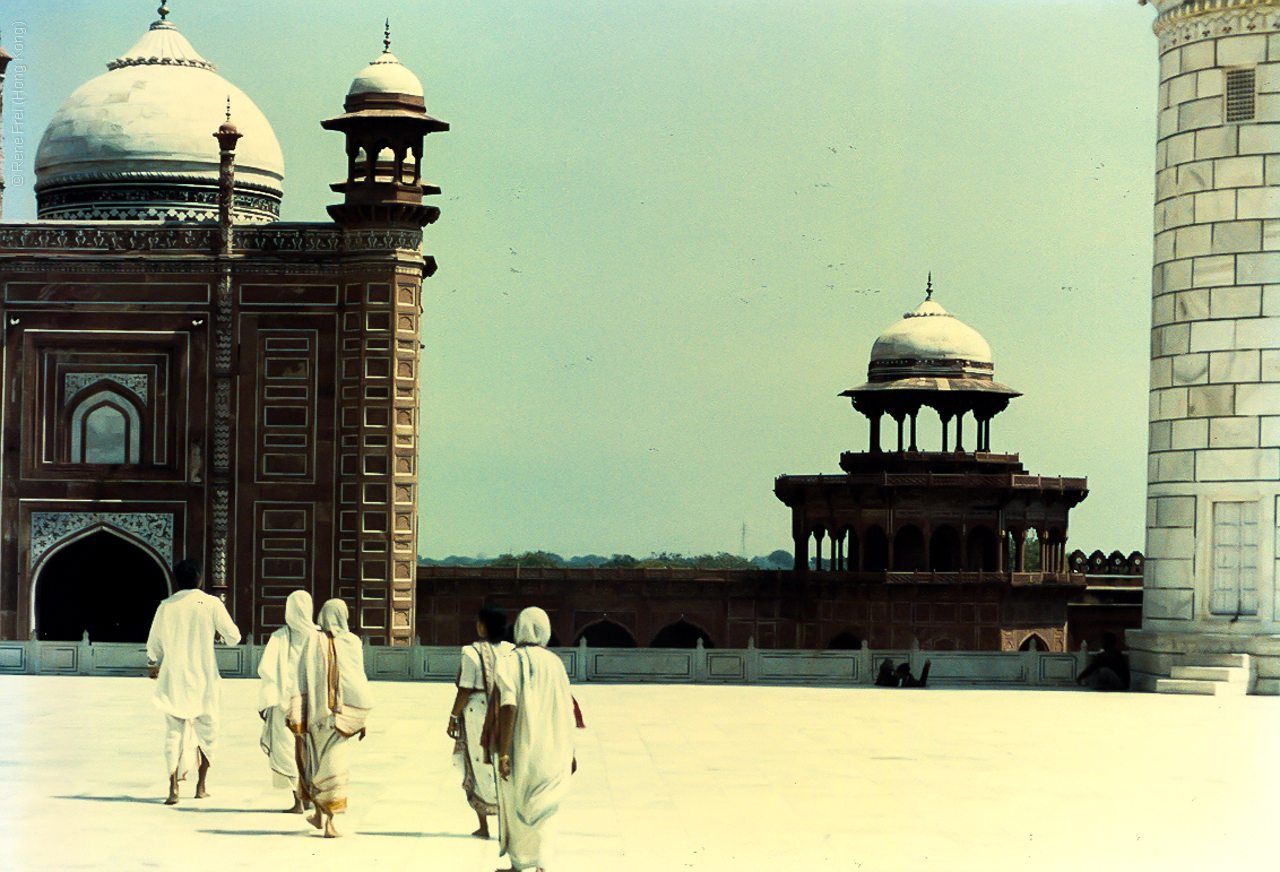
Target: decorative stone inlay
column 1209, row 19
column 134, row 381
column 269, row 238
column 222, row 425
column 221, row 515
column 50, row 528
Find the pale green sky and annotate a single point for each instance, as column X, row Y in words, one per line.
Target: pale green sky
column 671, row 231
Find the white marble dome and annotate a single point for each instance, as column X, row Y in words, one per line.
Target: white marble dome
column 137, row 143
column 930, row 333
column 386, row 75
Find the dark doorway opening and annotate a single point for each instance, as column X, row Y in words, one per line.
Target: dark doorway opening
column 102, row 584
column 681, row 634
column 845, row 640
column 607, row 634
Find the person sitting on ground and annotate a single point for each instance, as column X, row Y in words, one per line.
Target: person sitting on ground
column 1109, row 668
column 885, row 677
column 906, row 679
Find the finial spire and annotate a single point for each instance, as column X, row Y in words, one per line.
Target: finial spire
column 928, row 291
column 164, row 9
column 228, row 108
column 386, row 37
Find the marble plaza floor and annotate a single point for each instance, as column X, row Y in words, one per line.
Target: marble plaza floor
column 677, row 777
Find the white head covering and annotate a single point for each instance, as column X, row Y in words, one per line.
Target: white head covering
column 334, row 617
column 331, row 675
column 278, row 667
column 533, row 627
column 298, row 609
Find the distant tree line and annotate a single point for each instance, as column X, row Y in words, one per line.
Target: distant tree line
column 665, row 560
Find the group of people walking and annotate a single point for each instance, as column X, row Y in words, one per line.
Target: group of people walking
column 314, row 698
column 314, row 695
column 512, row 720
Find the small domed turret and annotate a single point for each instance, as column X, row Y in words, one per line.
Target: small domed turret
column 930, row 358
column 384, row 122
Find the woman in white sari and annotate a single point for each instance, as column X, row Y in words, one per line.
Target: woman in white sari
column 535, row 741
column 331, row 706
column 278, row 670
column 469, row 723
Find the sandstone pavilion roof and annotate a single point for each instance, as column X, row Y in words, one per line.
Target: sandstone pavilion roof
column 136, row 143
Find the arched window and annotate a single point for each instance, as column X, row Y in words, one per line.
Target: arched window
column 106, row 428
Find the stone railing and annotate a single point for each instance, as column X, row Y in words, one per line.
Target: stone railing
column 622, row 665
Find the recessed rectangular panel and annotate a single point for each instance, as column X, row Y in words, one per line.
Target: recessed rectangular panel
column 285, row 440
column 286, row 368
column 284, row 519
column 284, row 567
column 103, row 292
column 288, row 295
column 285, row 416
column 284, row 464
column 13, row 658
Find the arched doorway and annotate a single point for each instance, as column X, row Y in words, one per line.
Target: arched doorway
column 983, row 551
column 944, row 549
column 876, row 550
column 909, row 550
column 606, row 634
column 845, row 640
column 681, row 634
column 102, row 583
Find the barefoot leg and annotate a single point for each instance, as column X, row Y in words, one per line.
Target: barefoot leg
column 329, row 831
column 483, row 831
column 203, row 771
column 297, row 804
column 173, row 789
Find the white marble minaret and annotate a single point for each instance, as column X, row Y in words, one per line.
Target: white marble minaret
column 1213, row 496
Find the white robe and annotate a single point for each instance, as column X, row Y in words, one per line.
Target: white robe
column 278, row 671
column 533, row 680
column 479, row 780
column 181, row 640
column 330, row 705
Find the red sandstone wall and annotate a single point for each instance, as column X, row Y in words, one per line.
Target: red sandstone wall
column 776, row 609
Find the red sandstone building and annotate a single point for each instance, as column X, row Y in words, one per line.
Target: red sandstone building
column 187, row 376
column 903, row 545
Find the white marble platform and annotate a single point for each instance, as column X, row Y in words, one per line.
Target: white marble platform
column 677, row 778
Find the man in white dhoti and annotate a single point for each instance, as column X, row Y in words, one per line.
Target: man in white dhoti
column 474, row 715
column 535, row 742
column 278, row 670
column 180, row 650
column 330, row 706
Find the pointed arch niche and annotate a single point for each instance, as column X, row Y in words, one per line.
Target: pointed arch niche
column 105, row 427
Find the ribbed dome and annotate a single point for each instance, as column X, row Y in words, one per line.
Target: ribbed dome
column 931, row 333
column 136, row 143
column 386, row 75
